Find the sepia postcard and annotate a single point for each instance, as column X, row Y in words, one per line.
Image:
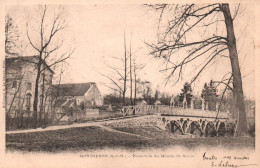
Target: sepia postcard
column 129, row 84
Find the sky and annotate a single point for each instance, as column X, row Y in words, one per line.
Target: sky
column 97, row 34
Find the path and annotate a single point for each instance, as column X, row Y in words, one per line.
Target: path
column 99, row 123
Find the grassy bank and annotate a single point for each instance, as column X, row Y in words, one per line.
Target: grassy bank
column 86, row 138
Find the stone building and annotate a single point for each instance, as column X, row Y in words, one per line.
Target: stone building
column 76, row 96
column 20, row 77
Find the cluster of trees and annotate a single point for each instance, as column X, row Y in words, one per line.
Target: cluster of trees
column 209, row 94
column 165, row 98
column 186, row 94
column 145, row 93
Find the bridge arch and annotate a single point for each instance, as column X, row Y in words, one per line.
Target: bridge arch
column 177, row 126
column 210, row 129
column 221, row 129
column 198, row 127
column 186, row 125
column 194, row 127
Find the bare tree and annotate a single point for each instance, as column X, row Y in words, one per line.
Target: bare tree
column 46, row 45
column 134, row 71
column 137, row 81
column 11, row 35
column 210, row 46
column 131, row 74
column 56, row 92
column 119, row 76
column 115, row 81
column 125, row 71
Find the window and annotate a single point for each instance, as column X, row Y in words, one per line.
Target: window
column 14, row 84
column 29, row 86
column 78, row 102
column 28, row 100
column 41, row 102
column 41, row 99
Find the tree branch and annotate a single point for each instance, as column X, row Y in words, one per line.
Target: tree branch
column 206, row 65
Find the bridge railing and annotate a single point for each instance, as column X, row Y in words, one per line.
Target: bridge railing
column 170, row 110
column 141, row 110
column 194, row 113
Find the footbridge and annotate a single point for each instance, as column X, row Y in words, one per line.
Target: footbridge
column 201, row 122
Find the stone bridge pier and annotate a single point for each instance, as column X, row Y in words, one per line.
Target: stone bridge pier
column 192, row 125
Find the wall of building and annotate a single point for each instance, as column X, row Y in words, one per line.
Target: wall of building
column 80, row 101
column 93, row 97
column 25, row 76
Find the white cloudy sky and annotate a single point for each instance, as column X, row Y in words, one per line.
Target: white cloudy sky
column 97, row 33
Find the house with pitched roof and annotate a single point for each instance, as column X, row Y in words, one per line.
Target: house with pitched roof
column 76, row 97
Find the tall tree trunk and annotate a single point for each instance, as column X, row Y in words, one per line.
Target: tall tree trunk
column 35, row 101
column 135, row 83
column 124, row 91
column 41, row 99
column 131, row 77
column 56, row 96
column 241, row 128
